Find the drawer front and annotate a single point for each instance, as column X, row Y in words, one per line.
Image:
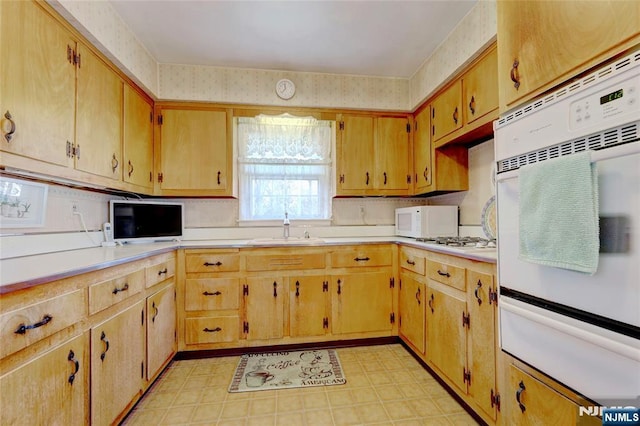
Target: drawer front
column 289, row 261
column 412, row 260
column 361, row 257
column 212, row 262
column 108, row 293
column 22, row 327
column 212, row 329
column 444, row 273
column 208, row 294
column 160, row 272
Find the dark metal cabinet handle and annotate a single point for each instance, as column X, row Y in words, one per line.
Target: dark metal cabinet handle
column 425, row 174
column 155, row 313
column 114, row 163
column 212, row 264
column 339, row 286
column 130, row 168
column 519, row 395
column 103, row 337
column 72, row 358
column 215, row 293
column 361, row 259
column 418, row 296
column 431, row 303
column 211, row 330
column 22, row 328
column 9, row 135
column 476, row 292
column 297, row 288
column 472, row 105
column 275, row 289
column 164, row 271
column 118, row 290
column 367, row 181
column 385, row 177
column 219, row 177
column 515, row 76
column 443, row 274
column 455, row 116
column 411, row 262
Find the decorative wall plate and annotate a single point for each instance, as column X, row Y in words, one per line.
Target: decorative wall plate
column 285, row 89
column 489, row 223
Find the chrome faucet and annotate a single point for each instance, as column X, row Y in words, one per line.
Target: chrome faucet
column 285, row 225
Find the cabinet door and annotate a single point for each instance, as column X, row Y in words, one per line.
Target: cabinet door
column 482, row 340
column 138, row 139
column 308, row 300
column 552, row 41
column 50, row 389
column 480, row 88
column 117, row 363
column 98, row 117
column 194, row 151
column 446, row 111
column 355, row 154
column 37, row 87
column 447, row 339
column 161, row 329
column 264, row 307
column 422, row 151
column 361, row 302
column 392, row 154
column 412, row 312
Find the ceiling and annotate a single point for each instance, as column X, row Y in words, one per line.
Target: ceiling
column 389, row 38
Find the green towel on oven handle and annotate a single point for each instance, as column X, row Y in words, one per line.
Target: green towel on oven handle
column 559, row 213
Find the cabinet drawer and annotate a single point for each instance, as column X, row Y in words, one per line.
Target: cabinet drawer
column 285, row 261
column 212, row 262
column 412, row 260
column 22, row 327
column 208, row 294
column 212, row 329
column 453, row 276
column 361, row 257
column 160, row 272
column 108, row 293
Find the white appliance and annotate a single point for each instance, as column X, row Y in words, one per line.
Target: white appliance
column 583, row 330
column 427, row 221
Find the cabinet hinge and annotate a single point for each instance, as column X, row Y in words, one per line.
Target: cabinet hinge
column 466, row 376
column 245, row 289
column 433, row 130
column 466, row 320
column 400, row 284
column 408, row 128
column 341, row 178
column 75, row 151
column 160, row 120
column 399, row 320
column 142, row 369
column 142, row 317
column 325, row 322
column 160, row 177
column 493, row 296
column 325, row 286
column 69, row 149
column 408, row 178
column 392, row 317
column 342, row 125
column 392, row 282
column 495, row 400
column 245, row 327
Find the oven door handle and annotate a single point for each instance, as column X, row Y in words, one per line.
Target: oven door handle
column 628, row 351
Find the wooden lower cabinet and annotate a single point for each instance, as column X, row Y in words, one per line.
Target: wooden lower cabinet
column 412, row 301
column 308, row 305
column 161, row 329
column 264, row 308
column 117, row 363
column 50, row 389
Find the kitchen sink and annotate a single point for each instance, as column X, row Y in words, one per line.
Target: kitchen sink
column 284, row 241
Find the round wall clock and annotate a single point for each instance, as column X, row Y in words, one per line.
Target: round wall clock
column 285, row 88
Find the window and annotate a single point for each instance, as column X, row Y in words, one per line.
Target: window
column 284, row 165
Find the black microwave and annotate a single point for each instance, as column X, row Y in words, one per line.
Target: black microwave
column 146, row 220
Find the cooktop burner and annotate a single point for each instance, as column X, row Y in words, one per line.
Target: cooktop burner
column 476, row 242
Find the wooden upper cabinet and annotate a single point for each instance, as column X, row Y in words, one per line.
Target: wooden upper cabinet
column 138, row 139
column 392, row 154
column 98, row 117
column 422, row 151
column 543, row 44
column 480, row 88
column 37, row 87
column 446, row 111
column 195, row 152
column 355, row 154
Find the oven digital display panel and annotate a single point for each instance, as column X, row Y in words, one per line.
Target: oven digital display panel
column 611, row 97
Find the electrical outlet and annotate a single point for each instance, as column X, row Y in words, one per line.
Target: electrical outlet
column 74, row 207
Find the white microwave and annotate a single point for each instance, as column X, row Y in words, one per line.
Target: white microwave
column 427, row 221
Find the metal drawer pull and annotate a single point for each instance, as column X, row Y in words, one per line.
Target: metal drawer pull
column 118, row 290
column 443, row 274
column 215, row 293
column 114, row 163
column 213, row 264
column 9, row 135
column 361, row 259
column 103, row 337
column 476, row 292
column 297, row 288
column 22, row 329
column 519, row 395
column 411, row 262
column 72, row 358
column 130, row 168
column 209, row 330
column 455, row 116
column 515, row 77
column 164, row 271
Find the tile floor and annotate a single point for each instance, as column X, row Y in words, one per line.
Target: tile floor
column 385, row 386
